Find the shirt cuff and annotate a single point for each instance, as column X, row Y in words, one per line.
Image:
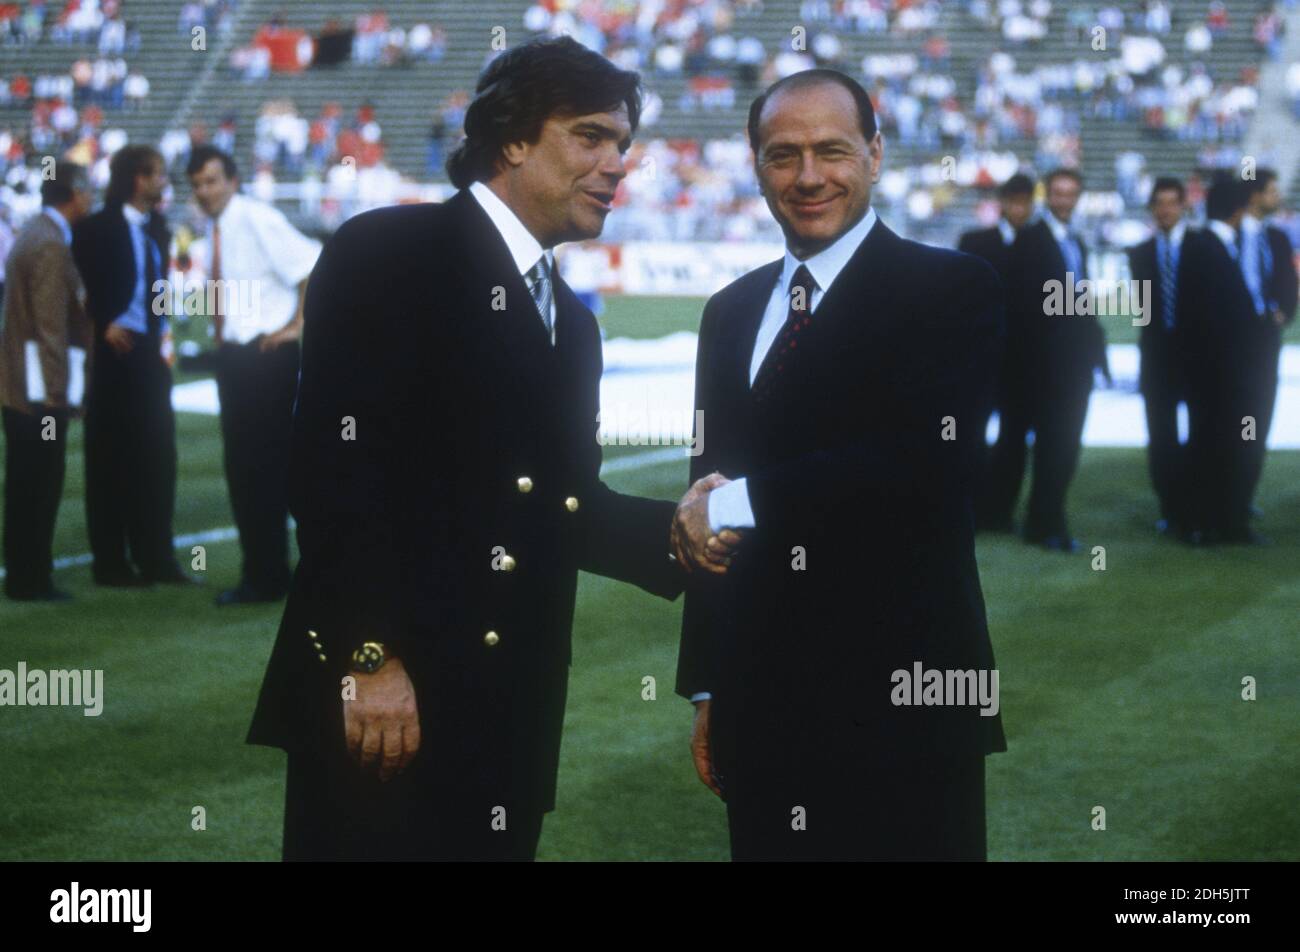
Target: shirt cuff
column 729, row 507
column 701, row 696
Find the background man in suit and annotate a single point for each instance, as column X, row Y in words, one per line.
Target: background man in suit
column 1221, row 327
column 259, row 263
column 44, row 339
column 994, row 245
column 7, row 238
column 1162, row 378
column 445, row 481
column 121, row 252
column 841, row 387
column 1062, row 351
column 1268, row 264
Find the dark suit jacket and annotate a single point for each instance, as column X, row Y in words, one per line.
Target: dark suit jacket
column 1285, row 286
column 454, row 402
column 1159, row 347
column 987, row 243
column 105, row 255
column 847, row 464
column 1217, row 315
column 1072, row 344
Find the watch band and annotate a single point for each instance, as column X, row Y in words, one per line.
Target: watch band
column 369, row 658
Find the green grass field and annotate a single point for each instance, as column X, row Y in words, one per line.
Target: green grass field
column 1119, row 688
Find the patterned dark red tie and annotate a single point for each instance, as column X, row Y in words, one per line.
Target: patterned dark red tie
column 785, row 348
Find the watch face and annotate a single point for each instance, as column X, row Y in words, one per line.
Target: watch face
column 368, row 658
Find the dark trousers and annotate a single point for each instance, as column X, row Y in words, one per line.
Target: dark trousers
column 1166, row 455
column 898, row 814
column 1003, row 465
column 334, row 811
column 1219, row 398
column 34, row 469
column 1163, row 389
column 1055, row 407
column 131, row 461
column 257, row 393
column 1058, row 421
column 1264, row 377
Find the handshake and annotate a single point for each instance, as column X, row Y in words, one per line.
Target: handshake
column 694, row 544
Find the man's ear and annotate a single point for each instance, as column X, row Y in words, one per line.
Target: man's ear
column 513, row 153
column 876, row 149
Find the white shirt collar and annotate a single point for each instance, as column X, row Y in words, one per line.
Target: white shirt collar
column 524, row 248
column 1060, row 230
column 56, row 216
column 1006, row 231
column 1225, row 233
column 1175, row 234
column 826, row 264
column 1251, row 224
column 230, row 214
column 133, row 215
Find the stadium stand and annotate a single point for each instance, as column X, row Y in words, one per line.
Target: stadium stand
column 355, row 98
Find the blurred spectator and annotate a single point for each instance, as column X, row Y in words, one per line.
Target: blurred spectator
column 1216, row 18
column 1267, row 32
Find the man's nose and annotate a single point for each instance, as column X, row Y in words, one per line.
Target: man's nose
column 614, row 166
column 810, row 177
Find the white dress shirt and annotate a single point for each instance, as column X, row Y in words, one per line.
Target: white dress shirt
column 265, row 258
column 1175, row 235
column 1068, row 241
column 7, row 238
column 1250, row 225
column 729, row 505
column 1254, row 245
column 1007, row 232
column 1225, row 234
column 523, row 247
column 135, row 317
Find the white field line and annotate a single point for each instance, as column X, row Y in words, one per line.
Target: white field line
column 229, row 533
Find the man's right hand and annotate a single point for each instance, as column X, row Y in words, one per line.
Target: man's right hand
column 382, row 725
column 694, row 544
column 120, row 339
column 701, row 752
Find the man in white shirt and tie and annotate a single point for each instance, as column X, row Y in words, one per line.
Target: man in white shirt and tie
column 1061, row 352
column 258, row 265
column 1162, row 379
column 122, row 252
column 843, row 388
column 1268, row 265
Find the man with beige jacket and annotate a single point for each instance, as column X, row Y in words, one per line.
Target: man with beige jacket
column 45, row 336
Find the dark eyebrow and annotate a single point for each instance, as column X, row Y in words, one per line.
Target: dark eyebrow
column 605, row 132
column 836, row 143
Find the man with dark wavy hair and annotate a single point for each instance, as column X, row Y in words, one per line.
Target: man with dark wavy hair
column 122, row 252
column 445, row 481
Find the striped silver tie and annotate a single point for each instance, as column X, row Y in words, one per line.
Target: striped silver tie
column 539, row 283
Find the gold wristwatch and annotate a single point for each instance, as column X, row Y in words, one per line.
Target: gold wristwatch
column 369, row 658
